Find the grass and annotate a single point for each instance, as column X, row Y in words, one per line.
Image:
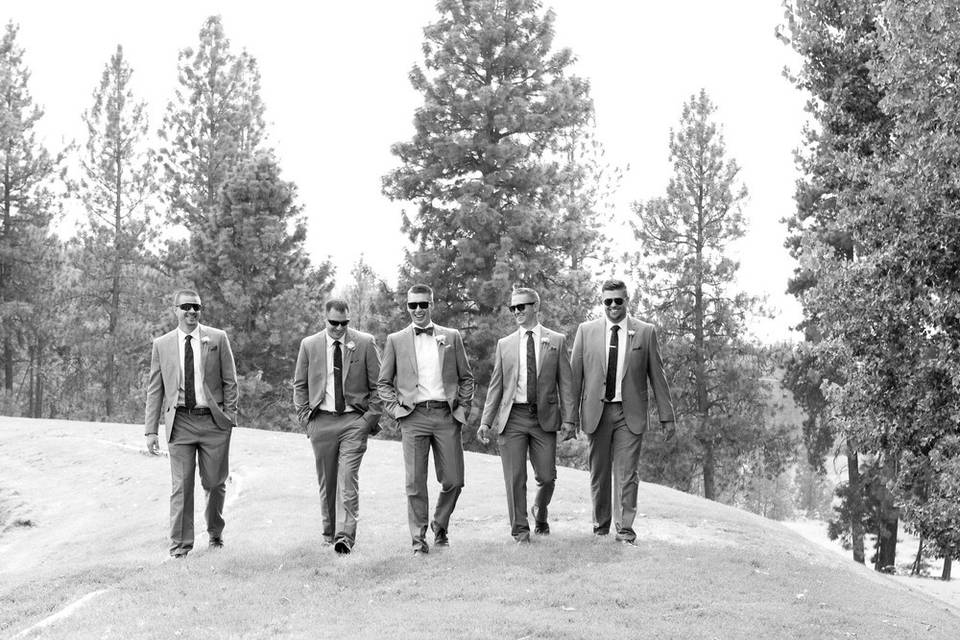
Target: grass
column 700, row 570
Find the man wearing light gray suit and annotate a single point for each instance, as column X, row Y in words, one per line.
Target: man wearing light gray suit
column 335, row 396
column 613, row 360
column 193, row 387
column 426, row 385
column 530, row 393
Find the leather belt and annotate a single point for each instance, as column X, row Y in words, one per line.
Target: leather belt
column 326, row 412
column 196, row 411
column 432, row 404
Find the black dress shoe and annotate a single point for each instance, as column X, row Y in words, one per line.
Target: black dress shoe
column 522, row 538
column 601, row 532
column 421, row 548
column 626, row 538
column 216, row 543
column 440, row 538
column 327, row 540
column 540, row 527
column 342, row 547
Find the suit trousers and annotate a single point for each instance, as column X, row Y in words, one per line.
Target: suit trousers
column 614, row 448
column 423, row 430
column 339, row 443
column 521, row 434
column 193, row 439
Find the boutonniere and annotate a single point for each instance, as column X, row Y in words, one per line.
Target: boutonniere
column 441, row 340
column 351, row 345
column 205, row 340
column 545, row 340
column 631, row 332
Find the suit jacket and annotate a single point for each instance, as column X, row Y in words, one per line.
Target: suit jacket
column 398, row 373
column 554, row 382
column 361, row 365
column 642, row 363
column 219, row 380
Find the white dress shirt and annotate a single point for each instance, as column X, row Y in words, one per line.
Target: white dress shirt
column 623, row 343
column 429, row 377
column 329, row 402
column 197, row 369
column 520, row 395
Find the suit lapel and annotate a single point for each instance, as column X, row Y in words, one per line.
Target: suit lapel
column 347, row 354
column 600, row 342
column 441, row 350
column 204, row 348
column 322, row 359
column 170, row 361
column 545, row 344
column 407, row 342
column 511, row 362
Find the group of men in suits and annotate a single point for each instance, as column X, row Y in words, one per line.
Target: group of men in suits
column 424, row 382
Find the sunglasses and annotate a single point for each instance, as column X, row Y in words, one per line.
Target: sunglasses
column 189, row 306
column 609, row 301
column 520, row 306
column 414, row 305
column 338, row 323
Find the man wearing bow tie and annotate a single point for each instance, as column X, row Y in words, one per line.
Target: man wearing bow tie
column 193, row 386
column 613, row 359
column 335, row 396
column 530, row 393
column 427, row 386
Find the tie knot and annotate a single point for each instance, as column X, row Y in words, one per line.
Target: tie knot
column 188, row 339
column 530, row 333
column 336, row 342
column 615, row 328
column 426, row 330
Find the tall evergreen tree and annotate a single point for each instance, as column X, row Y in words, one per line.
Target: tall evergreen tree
column 27, row 207
column 117, row 187
column 486, row 166
column 214, row 123
column 838, row 42
column 686, row 236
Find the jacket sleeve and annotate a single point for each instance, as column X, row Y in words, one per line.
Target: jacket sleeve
column 154, row 394
column 495, row 390
column 228, row 374
column 386, row 387
column 301, row 388
column 565, row 383
column 661, row 391
column 465, row 381
column 576, row 375
column 375, row 408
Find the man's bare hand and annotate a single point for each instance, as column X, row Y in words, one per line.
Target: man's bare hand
column 483, row 434
column 153, row 444
column 568, row 431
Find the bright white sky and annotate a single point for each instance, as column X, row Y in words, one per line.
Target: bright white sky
column 334, row 80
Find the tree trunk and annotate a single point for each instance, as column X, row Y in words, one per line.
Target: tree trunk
column 856, row 506
column 947, row 562
column 38, row 389
column 709, row 472
column 915, row 569
column 889, row 521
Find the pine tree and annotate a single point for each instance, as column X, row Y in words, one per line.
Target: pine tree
column 27, row 206
column 214, row 123
column 486, row 165
column 117, row 187
column 686, row 238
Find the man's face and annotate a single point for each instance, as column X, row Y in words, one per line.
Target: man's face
column 525, row 309
column 614, row 304
column 422, row 306
column 187, row 318
column 337, row 323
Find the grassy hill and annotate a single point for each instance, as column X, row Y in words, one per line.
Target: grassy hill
column 83, row 544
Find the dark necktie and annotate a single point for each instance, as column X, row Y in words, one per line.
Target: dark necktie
column 338, row 400
column 531, row 369
column 611, row 388
column 426, row 330
column 189, row 386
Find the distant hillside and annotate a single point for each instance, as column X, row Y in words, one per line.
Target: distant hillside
column 90, row 561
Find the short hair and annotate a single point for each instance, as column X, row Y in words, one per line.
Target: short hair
column 337, row 303
column 420, row 288
column 183, row 292
column 613, row 285
column 526, row 291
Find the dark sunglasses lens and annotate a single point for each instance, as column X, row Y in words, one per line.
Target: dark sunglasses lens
column 187, row 306
column 518, row 307
column 338, row 323
column 414, row 305
column 609, row 301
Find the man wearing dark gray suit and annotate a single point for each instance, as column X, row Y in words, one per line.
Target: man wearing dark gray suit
column 613, row 360
column 193, row 386
column 530, row 393
column 335, row 396
column 426, row 385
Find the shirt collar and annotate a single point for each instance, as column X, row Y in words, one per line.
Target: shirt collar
column 622, row 324
column 195, row 334
column 536, row 331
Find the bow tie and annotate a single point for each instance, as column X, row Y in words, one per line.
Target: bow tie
column 426, row 330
